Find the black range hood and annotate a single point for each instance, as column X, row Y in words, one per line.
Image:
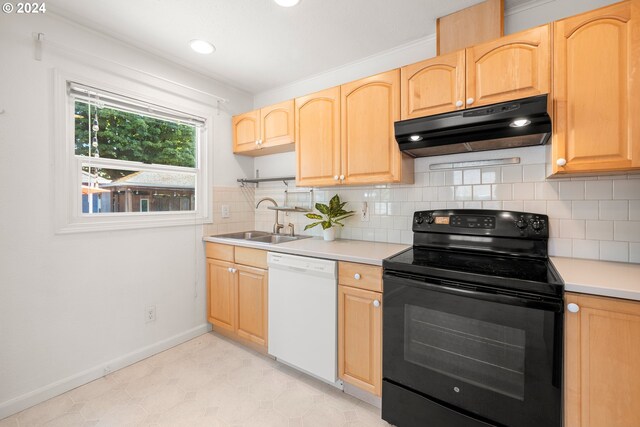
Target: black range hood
column 511, row 124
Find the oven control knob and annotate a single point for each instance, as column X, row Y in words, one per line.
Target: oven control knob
column 537, row 225
column 419, row 219
column 521, row 224
column 430, row 219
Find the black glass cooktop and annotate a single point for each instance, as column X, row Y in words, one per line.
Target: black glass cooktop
column 536, row 275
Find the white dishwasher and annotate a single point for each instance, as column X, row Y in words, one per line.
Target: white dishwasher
column 303, row 296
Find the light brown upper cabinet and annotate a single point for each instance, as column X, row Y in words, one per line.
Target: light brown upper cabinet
column 265, row 131
column 369, row 152
column 345, row 135
column 434, row 86
column 512, row 67
column 318, row 138
column 596, row 89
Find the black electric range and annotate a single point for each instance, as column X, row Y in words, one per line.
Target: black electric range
column 473, row 323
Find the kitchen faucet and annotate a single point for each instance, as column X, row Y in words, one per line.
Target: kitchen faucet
column 276, row 226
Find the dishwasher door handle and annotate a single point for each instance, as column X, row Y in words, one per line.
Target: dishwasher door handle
column 298, row 269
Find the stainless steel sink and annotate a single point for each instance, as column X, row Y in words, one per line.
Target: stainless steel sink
column 244, row 235
column 261, row 237
column 277, row 238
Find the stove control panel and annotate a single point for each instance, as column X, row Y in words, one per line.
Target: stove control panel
column 482, row 222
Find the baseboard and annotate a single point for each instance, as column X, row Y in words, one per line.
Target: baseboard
column 56, row 388
column 365, row 396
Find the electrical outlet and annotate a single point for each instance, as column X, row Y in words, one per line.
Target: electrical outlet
column 225, row 211
column 364, row 212
column 150, row 314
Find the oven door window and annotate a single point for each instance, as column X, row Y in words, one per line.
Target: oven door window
column 485, row 354
column 493, row 359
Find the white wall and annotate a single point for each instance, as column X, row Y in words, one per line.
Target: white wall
column 72, row 304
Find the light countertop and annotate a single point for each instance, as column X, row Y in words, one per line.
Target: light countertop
column 341, row 250
column 605, row 278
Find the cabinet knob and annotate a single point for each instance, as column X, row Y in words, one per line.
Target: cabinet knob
column 459, row 104
column 561, row 162
column 341, row 177
column 573, row 308
column 356, row 276
column 336, row 177
column 257, row 142
column 470, row 101
column 376, row 303
column 229, row 269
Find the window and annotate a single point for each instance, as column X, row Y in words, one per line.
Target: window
column 132, row 162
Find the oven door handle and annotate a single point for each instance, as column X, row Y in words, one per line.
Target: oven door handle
column 469, row 292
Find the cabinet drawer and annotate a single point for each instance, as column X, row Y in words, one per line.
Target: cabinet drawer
column 361, row 276
column 219, row 251
column 251, row 257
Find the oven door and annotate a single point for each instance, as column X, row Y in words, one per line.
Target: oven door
column 496, row 357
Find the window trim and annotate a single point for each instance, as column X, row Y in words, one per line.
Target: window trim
column 67, row 166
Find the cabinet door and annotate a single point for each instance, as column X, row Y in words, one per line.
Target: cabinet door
column 318, row 138
column 369, row 107
column 511, row 67
column 596, row 122
column 277, row 127
column 246, row 131
column 360, row 338
column 433, row 86
column 602, row 373
column 221, row 301
column 251, row 297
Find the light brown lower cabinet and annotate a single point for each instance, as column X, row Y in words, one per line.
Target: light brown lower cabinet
column 237, row 292
column 360, row 326
column 602, row 362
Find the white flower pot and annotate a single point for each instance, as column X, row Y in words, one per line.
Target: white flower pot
column 329, row 234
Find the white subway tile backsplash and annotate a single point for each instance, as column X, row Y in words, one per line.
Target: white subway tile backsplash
column 560, row 247
column 585, row 209
column 513, row 205
column 401, row 222
column 535, row 206
column 546, row 190
column 533, row 173
column 490, row 176
column 493, row 204
column 471, row 176
column 463, row 192
column 628, row 189
column 598, row 190
column 523, row 190
column 554, row 228
column 455, row 205
column 453, row 177
column 614, row 209
column 571, row 190
column 511, row 174
column 436, row 178
column 572, row 228
column 406, row 237
column 589, row 249
column 472, row 205
column 634, row 252
column 429, row 194
column 502, row 192
column 445, row 194
column 560, row 209
column 600, row 230
column 626, row 231
column 634, row 210
column 394, row 236
column 481, row 192
column 381, row 235
column 614, row 251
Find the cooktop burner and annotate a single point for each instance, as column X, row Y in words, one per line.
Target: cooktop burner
column 499, row 249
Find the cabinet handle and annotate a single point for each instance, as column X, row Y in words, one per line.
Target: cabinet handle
column 470, row 101
column 459, row 104
column 257, row 142
column 573, row 308
column 229, row 269
column 356, row 276
column 232, row 270
column 376, row 303
column 561, row 162
column 341, row 177
column 336, row 177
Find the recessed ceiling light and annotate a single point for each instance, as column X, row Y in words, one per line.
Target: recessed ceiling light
column 202, row 46
column 287, row 3
column 519, row 123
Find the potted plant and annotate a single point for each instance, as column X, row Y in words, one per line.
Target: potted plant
column 330, row 217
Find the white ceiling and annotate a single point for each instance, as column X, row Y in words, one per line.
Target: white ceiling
column 261, row 45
